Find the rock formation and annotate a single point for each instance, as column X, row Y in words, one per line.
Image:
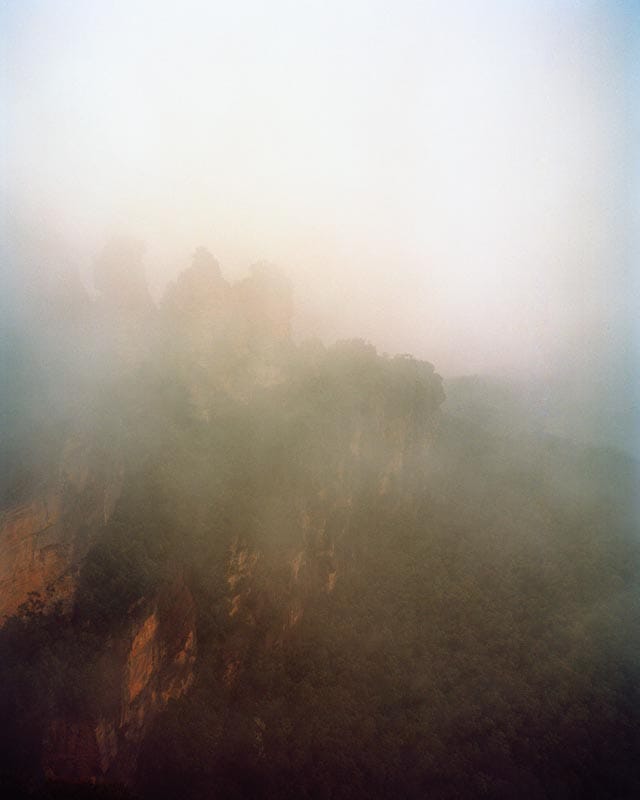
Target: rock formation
column 250, row 393
column 151, row 662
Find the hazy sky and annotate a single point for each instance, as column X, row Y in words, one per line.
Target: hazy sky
column 452, row 179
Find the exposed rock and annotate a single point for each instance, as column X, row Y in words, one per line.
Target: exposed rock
column 78, row 751
column 227, row 338
column 381, row 443
column 153, row 663
column 44, row 541
column 228, row 346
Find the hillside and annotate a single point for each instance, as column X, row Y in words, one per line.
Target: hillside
column 235, row 566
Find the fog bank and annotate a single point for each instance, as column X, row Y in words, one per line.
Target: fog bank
column 450, row 180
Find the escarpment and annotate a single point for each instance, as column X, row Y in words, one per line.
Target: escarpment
column 203, row 490
column 149, row 663
column 233, row 565
column 45, row 537
column 346, row 436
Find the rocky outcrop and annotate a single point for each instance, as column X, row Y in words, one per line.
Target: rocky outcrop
column 78, row 752
column 378, row 452
column 199, row 305
column 151, row 663
column 35, row 554
column 213, row 315
column 227, row 339
column 44, row 540
column 341, row 429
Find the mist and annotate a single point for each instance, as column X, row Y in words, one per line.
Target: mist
column 319, row 431
column 451, row 181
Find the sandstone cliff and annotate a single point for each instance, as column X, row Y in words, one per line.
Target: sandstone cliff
column 150, row 663
column 44, row 539
column 242, row 499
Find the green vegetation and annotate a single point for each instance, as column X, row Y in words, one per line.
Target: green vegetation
column 481, row 643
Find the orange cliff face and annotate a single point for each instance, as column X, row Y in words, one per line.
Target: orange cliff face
column 218, row 339
column 43, row 544
column 152, row 662
column 35, row 554
column 44, row 540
